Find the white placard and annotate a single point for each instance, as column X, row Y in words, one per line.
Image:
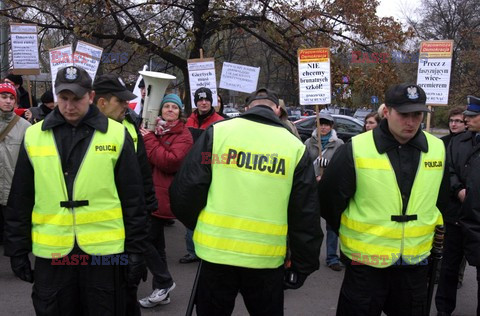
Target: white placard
column 60, row 57
column 314, row 76
column 87, row 56
column 434, row 77
column 23, row 28
column 202, row 74
column 238, row 77
column 25, row 51
column 434, row 67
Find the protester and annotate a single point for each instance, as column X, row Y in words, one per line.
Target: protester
column 167, row 146
column 198, row 121
column 36, row 114
column 245, row 187
column 456, row 124
column 23, row 99
column 12, row 129
column 111, row 98
column 371, row 121
column 219, row 108
column 330, row 143
column 461, row 236
column 77, row 203
column 374, row 193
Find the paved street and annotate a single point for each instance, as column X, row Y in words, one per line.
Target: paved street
column 317, row 297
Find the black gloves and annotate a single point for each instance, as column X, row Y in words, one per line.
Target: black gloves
column 293, row 280
column 22, row 268
column 137, row 269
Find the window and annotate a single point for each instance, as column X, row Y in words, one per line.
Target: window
column 347, row 126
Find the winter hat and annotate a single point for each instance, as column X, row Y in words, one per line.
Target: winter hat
column 47, row 97
column 203, row 93
column 172, row 98
column 8, row 88
column 16, row 79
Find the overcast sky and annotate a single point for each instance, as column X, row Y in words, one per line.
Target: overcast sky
column 398, row 8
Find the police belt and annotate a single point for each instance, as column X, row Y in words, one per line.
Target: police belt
column 404, row 218
column 72, row 204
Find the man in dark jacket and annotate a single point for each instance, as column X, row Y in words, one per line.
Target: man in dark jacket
column 36, row 114
column 77, row 203
column 111, row 98
column 453, row 262
column 456, row 124
column 374, row 192
column 463, row 222
column 246, row 184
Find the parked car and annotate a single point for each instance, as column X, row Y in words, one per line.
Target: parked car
column 231, row 112
column 360, row 114
column 338, row 110
column 346, row 126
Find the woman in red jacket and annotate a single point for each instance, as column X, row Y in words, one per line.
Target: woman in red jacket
column 166, row 148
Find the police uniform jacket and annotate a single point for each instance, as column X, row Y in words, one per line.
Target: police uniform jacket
column 145, row 169
column 72, row 143
column 189, row 192
column 459, row 152
column 338, row 183
column 469, row 216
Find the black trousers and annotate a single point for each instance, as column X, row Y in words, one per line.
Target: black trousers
column 446, row 297
column 218, row 286
column 2, row 222
column 396, row 290
column 69, row 290
column 155, row 255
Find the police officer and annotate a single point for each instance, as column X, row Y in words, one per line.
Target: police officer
column 247, row 185
column 380, row 191
column 77, row 203
column 464, row 182
column 200, row 119
column 111, row 98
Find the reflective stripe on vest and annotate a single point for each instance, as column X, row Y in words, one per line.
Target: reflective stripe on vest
column 367, row 232
column 245, row 220
column 98, row 227
column 132, row 131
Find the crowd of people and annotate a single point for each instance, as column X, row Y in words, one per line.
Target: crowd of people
column 89, row 191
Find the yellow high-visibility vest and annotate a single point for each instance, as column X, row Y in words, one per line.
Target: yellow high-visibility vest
column 132, row 131
column 245, row 220
column 94, row 217
column 368, row 232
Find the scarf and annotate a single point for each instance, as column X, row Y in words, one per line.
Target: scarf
column 325, row 139
column 162, row 127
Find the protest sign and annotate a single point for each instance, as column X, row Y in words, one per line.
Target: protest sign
column 24, row 42
column 87, row 56
column 434, row 68
column 60, row 57
column 314, row 76
column 238, row 77
column 201, row 73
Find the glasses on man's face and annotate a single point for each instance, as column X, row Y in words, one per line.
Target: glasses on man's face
column 457, row 121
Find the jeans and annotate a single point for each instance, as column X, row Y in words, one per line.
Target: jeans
column 332, row 245
column 189, row 242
